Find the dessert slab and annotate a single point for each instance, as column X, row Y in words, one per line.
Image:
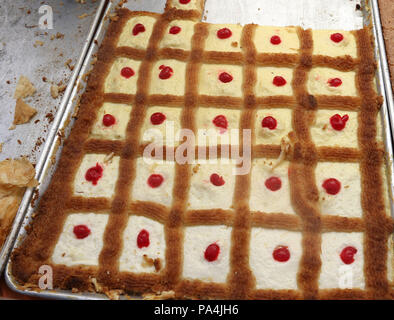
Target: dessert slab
column 244, row 221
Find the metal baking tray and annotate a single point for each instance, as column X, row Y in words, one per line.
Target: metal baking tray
column 317, row 14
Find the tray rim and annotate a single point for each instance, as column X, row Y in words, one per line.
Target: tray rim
column 386, row 113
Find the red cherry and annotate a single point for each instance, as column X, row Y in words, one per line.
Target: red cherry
column 225, row 77
column 212, row 252
column 157, row 118
column 269, row 122
column 175, row 30
column 337, row 122
column 220, row 121
column 108, row 120
column 281, row 254
column 143, row 239
column 275, row 40
column 334, row 82
column 94, row 174
column 184, row 1
column 347, row 255
column 166, row 72
column 279, row 81
column 332, row 186
column 224, row 33
column 127, row 72
column 337, row 37
column 155, row 180
column 138, row 28
column 81, row 231
column 273, row 183
column 217, row 180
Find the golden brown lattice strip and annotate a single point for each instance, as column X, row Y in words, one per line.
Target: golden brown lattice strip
column 241, row 278
column 303, row 190
column 372, row 201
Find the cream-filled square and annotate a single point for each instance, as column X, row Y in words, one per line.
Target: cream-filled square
column 72, row 251
column 324, row 134
column 323, row 45
column 137, row 37
column 265, row 81
column 319, row 80
column 186, row 5
column 143, row 190
column 121, row 112
column 275, row 129
column 140, row 257
column 181, row 40
column 204, row 194
column 270, row 273
column 347, row 202
column 270, row 189
column 217, row 126
column 289, row 41
column 126, row 83
column 230, row 44
column 175, row 84
column 196, row 241
column 105, row 186
column 211, row 85
column 334, row 272
column 166, row 132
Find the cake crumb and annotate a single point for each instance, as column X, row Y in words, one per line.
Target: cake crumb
column 165, row 295
column 38, row 43
column 54, row 91
column 23, row 112
column 24, row 88
column 234, row 44
column 108, row 158
column 15, row 176
column 68, row 64
column 82, row 16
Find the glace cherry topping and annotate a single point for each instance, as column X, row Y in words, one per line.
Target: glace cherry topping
column 269, row 122
column 275, row 40
column 281, row 254
column 94, row 174
column 217, row 180
column 175, row 30
column 273, row 183
column 157, row 118
column 184, row 1
column 347, row 255
column 81, row 231
column 155, row 180
column 279, row 81
column 138, row 28
column 143, row 239
column 337, row 37
column 212, row 252
column 337, row 122
column 334, row 82
column 224, row 33
column 220, row 121
column 166, row 72
column 127, row 72
column 225, row 77
column 332, row 186
column 108, row 120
